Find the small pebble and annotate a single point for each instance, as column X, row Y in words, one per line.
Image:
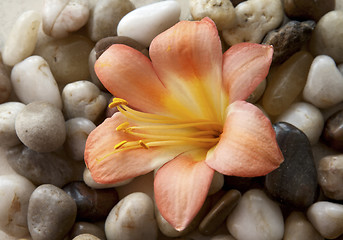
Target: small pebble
column 51, row 213
column 216, row 184
column 32, row 80
column 22, row 39
column 327, row 218
column 86, row 236
column 256, row 217
column 5, row 84
column 15, row 193
column 132, row 218
column 333, row 131
column 83, row 99
column 105, row 17
column 258, row 92
column 305, row 117
column 8, row 114
column 41, row 127
column 64, row 16
column 86, row 227
column 145, row 23
column 93, row 77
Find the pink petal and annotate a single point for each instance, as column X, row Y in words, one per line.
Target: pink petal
column 181, row 187
column 245, row 65
column 247, row 147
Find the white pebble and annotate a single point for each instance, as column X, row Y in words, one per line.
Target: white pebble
column 87, row 178
column 306, row 117
column 32, row 81
column 22, row 39
column 145, row 23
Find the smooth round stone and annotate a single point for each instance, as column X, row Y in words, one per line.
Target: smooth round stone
column 219, row 212
column 330, row 175
column 245, row 220
column 105, row 16
column 8, row 114
column 22, row 39
column 67, row 57
column 41, row 127
column 83, row 99
column 255, row 18
column 5, row 84
column 132, row 218
column 333, row 131
column 327, row 37
column 32, row 80
column 15, row 193
column 51, row 213
column 216, row 184
column 87, row 228
column 145, row 23
column 92, row 204
column 64, row 16
column 308, row 9
column 295, row 181
column 221, row 12
column 289, row 39
column 258, row 92
column 305, row 117
column 40, row 168
column 298, row 227
column 78, row 130
column 86, row 237
column 327, row 218
column 324, row 84
column 286, row 83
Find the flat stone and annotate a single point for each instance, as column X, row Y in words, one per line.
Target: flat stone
column 333, row 131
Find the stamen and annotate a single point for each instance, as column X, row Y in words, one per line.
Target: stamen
column 120, row 144
column 123, row 126
column 117, row 102
column 143, row 144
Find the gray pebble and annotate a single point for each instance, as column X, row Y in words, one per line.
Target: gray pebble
column 5, row 84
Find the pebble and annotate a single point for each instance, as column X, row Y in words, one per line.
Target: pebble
column 83, row 99
column 78, row 130
column 64, row 16
column 51, row 213
column 330, row 175
column 258, row 92
column 86, row 236
column 327, row 218
column 40, row 168
column 216, row 184
column 324, row 83
column 327, row 38
column 67, row 57
column 132, row 218
column 92, row 204
column 8, row 114
column 298, row 227
column 5, row 84
column 219, row 212
column 255, row 18
column 93, row 77
column 286, row 83
column 289, row 39
column 145, row 23
column 222, row 12
column 105, row 17
column 305, row 117
column 21, row 41
column 308, row 9
column 333, row 131
column 256, row 217
column 222, row 237
column 87, row 228
column 41, row 127
column 32, row 80
column 15, row 193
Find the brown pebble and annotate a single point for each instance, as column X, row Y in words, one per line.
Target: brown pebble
column 333, row 131
column 5, row 84
column 87, row 228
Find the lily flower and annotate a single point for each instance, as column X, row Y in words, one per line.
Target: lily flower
column 183, row 112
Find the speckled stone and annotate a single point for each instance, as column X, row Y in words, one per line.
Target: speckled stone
column 333, row 131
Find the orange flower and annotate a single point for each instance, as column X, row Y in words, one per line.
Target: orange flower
column 188, row 116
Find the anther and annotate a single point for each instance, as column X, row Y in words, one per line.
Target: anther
column 120, row 144
column 122, row 126
column 117, row 102
column 143, row 144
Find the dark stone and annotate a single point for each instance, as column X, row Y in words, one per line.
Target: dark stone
column 40, row 168
column 295, row 181
column 333, row 131
column 236, row 2
column 92, row 204
column 308, row 9
column 289, row 39
column 86, row 227
column 243, row 184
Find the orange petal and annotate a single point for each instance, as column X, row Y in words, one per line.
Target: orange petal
column 188, row 60
column 128, row 74
column 245, row 65
column 247, row 146
column 111, row 168
column 181, row 187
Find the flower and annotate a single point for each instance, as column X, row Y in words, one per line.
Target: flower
column 187, row 115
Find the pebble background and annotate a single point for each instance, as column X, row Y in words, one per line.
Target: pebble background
column 51, row 99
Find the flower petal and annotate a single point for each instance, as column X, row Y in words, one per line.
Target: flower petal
column 181, row 187
column 247, row 147
column 111, row 168
column 188, row 60
column 245, row 65
column 128, row 74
